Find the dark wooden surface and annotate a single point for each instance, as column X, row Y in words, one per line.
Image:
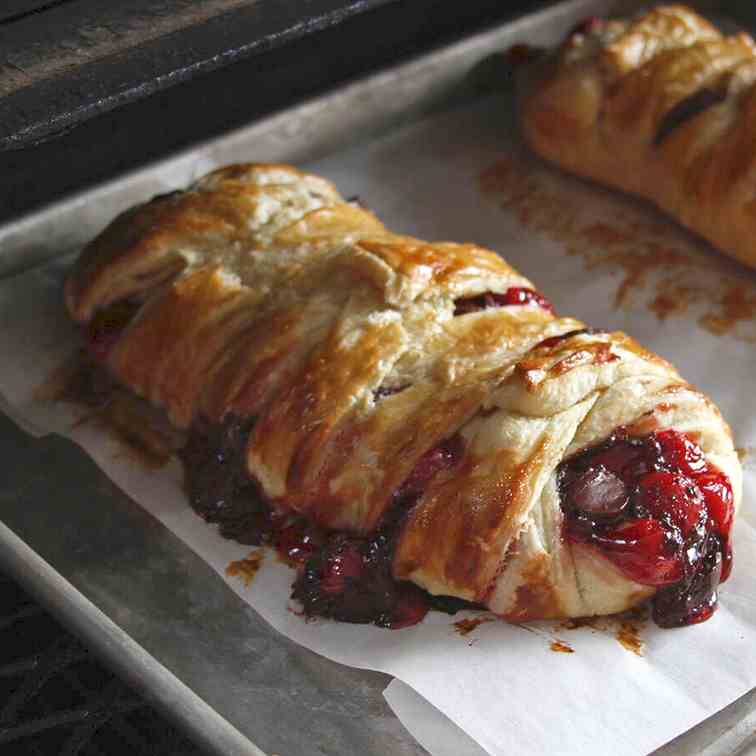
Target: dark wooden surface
column 118, row 125
column 73, row 59
column 13, row 10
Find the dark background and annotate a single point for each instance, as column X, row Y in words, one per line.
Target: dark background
column 91, row 88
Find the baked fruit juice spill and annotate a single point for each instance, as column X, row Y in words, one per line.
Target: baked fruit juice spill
column 657, row 510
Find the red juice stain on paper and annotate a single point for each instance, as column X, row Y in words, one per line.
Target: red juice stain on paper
column 466, row 626
column 246, row 568
column 626, row 628
column 649, row 254
column 560, row 647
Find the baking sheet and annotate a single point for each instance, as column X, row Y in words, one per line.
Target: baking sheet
column 456, row 176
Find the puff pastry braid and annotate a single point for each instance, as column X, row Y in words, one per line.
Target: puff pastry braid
column 385, row 409
column 662, row 106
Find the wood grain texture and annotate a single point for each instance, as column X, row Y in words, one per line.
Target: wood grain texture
column 15, row 10
column 85, row 57
column 72, row 33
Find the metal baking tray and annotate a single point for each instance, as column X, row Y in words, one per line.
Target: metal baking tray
column 84, row 550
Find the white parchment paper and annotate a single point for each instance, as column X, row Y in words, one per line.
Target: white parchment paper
column 502, row 685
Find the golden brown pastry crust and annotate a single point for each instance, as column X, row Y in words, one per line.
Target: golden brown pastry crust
column 262, row 294
column 662, row 106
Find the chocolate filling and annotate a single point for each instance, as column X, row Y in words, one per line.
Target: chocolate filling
column 686, row 109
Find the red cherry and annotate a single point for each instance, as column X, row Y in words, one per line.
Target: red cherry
column 342, row 565
column 681, row 452
column 674, row 495
column 441, row 457
column 694, row 599
column 296, row 544
column 519, row 295
column 674, row 533
column 703, row 612
column 515, row 295
column 643, row 550
column 717, row 491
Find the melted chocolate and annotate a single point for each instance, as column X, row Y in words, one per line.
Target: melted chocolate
column 218, row 486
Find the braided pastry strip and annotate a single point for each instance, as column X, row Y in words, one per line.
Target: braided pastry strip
column 662, row 106
column 259, row 293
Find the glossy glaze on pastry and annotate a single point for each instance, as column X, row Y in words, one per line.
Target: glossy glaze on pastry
column 662, row 106
column 403, row 419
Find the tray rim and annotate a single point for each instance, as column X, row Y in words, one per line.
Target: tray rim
column 84, row 619
column 39, row 577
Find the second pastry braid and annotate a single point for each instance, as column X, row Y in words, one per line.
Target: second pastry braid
column 662, row 106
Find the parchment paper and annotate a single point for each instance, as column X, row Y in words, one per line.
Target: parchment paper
column 462, row 176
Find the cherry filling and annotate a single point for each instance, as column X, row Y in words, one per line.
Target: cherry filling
column 444, row 456
column 107, row 325
column 656, row 509
column 341, row 576
column 350, row 578
column 515, row 295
